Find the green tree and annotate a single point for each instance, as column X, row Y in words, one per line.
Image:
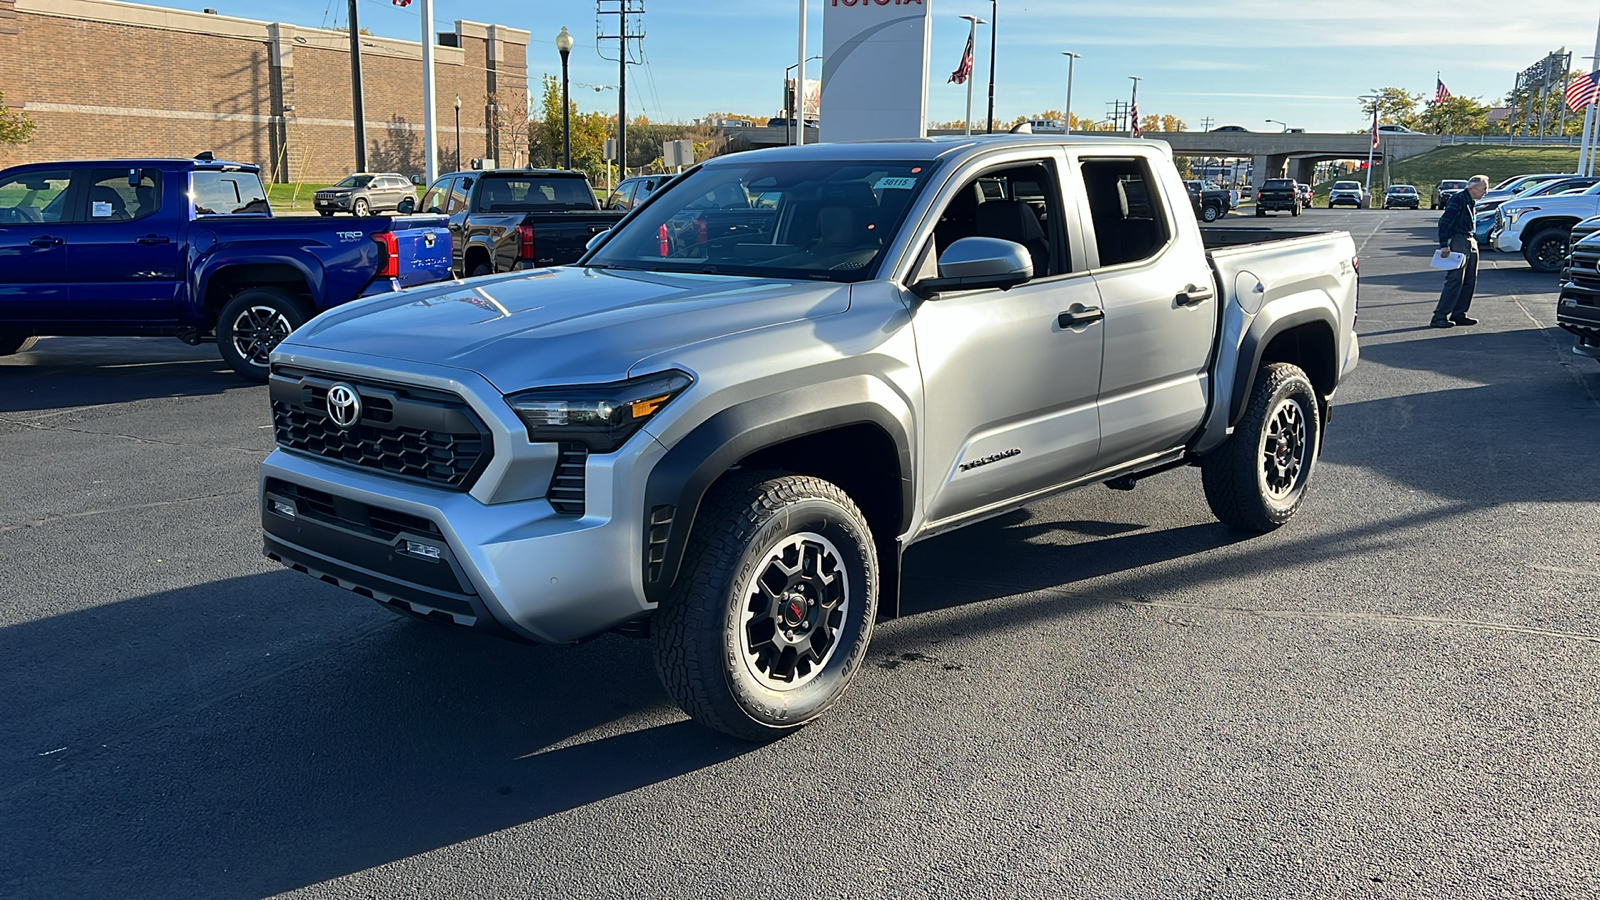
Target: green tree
column 1396, row 106
column 1458, row 115
column 15, row 126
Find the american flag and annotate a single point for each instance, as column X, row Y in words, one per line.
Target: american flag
column 963, row 71
column 1442, row 93
column 401, row 2
column 1133, row 112
column 1582, row 92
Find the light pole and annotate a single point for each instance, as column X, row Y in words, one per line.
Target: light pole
column 800, row 83
column 795, row 105
column 458, row 132
column 994, row 18
column 564, row 45
column 1374, row 99
column 1071, row 58
column 1284, row 124
column 972, row 35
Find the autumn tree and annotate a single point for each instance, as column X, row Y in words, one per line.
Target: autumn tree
column 15, row 126
column 1457, row 115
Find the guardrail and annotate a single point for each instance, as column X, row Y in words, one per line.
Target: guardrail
column 1513, row 140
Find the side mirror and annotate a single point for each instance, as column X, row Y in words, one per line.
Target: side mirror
column 407, row 206
column 976, row 263
column 417, row 180
column 595, row 241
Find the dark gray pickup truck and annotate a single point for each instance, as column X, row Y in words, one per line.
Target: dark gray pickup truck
column 507, row 219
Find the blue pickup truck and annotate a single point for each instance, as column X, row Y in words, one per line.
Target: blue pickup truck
column 188, row 248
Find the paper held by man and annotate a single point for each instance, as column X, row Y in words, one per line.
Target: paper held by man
column 1443, row 260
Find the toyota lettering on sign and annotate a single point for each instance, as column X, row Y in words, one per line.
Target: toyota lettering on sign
column 875, row 69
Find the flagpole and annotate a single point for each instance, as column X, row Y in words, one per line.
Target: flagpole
column 972, row 36
column 1586, row 154
column 1133, row 109
column 1374, row 146
column 800, row 84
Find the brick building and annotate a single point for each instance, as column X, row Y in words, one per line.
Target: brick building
column 107, row 79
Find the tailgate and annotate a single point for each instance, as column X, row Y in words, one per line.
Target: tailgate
column 423, row 243
column 561, row 237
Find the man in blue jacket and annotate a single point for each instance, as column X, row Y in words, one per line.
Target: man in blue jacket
column 1456, row 235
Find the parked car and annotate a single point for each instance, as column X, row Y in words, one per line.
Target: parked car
column 1539, row 227
column 1514, row 186
column 1396, row 129
column 780, row 122
column 1230, row 128
column 724, row 438
column 1578, row 309
column 1280, row 195
column 1402, row 196
column 1346, row 193
column 365, row 193
column 1444, row 190
column 187, row 248
column 631, row 192
column 506, row 219
column 1303, row 191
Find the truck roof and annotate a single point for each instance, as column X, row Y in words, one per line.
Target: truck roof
column 150, row 163
column 940, row 147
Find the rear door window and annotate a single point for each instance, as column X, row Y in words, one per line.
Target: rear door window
column 1125, row 205
column 113, row 196
column 35, row 197
column 227, row 193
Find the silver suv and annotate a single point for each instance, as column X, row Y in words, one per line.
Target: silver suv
column 721, row 428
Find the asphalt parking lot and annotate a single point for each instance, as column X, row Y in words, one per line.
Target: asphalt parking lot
column 1107, row 695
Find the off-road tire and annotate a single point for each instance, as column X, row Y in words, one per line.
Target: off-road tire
column 360, row 208
column 1546, row 250
column 1237, row 474
column 13, row 342
column 703, row 634
column 270, row 314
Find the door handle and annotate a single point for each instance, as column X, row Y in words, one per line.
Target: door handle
column 47, row 241
column 1193, row 295
column 153, row 240
column 1080, row 316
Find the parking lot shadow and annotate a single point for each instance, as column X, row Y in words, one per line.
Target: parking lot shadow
column 69, row 372
column 319, row 736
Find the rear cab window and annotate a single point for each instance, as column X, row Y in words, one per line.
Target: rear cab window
column 1130, row 224
column 533, row 193
column 225, row 193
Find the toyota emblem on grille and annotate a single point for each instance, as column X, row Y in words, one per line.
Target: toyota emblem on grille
column 344, row 405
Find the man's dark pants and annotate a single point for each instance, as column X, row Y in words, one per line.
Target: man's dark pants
column 1459, row 284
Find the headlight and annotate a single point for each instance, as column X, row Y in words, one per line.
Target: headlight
column 1513, row 215
column 602, row 416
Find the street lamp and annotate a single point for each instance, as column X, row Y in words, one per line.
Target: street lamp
column 795, row 105
column 1071, row 58
column 972, row 34
column 1284, row 124
column 1374, row 99
column 564, row 45
column 458, row 131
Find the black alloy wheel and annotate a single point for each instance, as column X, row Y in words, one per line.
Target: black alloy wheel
column 254, row 322
column 1547, row 249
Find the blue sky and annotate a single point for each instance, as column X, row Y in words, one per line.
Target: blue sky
column 1238, row 62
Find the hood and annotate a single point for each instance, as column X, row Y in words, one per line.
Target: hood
column 562, row 325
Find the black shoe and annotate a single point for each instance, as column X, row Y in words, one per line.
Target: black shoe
column 1463, row 320
column 1442, row 323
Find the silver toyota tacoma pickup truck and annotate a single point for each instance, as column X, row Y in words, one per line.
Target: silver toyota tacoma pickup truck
column 724, row 425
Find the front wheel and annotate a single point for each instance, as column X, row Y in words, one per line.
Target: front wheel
column 1546, row 250
column 360, row 208
column 773, row 609
column 1257, row 479
column 252, row 323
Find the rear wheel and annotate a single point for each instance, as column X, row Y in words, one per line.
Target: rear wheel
column 252, row 323
column 1546, row 250
column 1260, row 212
column 1295, row 211
column 773, row 609
column 480, row 270
column 15, row 342
column 1211, row 214
column 1257, row 480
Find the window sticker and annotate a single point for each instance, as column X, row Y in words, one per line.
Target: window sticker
column 102, row 209
column 890, row 183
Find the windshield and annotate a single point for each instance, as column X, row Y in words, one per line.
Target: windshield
column 1346, row 186
column 823, row 219
column 355, row 181
column 1452, row 185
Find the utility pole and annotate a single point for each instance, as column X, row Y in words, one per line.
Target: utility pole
column 994, row 16
column 357, row 105
column 624, row 9
column 1205, row 123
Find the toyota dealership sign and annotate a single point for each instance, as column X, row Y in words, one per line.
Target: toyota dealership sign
column 875, row 69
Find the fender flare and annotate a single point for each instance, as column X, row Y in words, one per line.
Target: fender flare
column 1277, row 318
column 682, row 477
column 301, row 261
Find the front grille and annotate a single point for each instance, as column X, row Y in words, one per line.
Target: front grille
column 417, row 434
column 1582, row 272
column 567, row 484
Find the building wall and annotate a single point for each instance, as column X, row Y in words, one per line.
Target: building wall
column 174, row 83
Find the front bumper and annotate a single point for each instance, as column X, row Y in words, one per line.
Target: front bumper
column 1578, row 312
column 1342, row 199
column 502, row 559
column 1505, row 238
column 332, row 203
